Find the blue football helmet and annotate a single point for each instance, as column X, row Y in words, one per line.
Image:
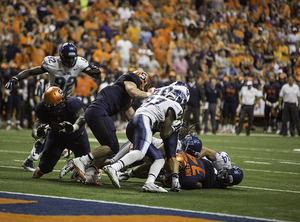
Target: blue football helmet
column 68, row 54
column 191, row 142
column 229, row 177
column 177, row 96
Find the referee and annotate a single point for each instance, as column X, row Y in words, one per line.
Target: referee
column 290, row 95
column 248, row 97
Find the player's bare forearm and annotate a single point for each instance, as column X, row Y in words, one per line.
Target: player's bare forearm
column 80, row 120
column 129, row 113
column 208, row 153
column 30, row 72
column 133, row 91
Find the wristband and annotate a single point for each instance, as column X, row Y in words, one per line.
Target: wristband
column 75, row 127
column 148, row 94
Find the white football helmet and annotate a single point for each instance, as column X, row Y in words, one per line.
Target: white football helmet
column 222, row 161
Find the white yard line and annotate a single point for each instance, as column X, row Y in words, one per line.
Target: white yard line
column 263, row 163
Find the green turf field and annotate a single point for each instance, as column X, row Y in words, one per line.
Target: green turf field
column 270, row 188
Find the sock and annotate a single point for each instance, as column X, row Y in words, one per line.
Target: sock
column 154, row 170
column 128, row 159
column 18, row 122
column 88, row 158
column 131, row 173
column 123, row 150
column 8, row 122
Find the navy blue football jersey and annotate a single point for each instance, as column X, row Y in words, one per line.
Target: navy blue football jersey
column 197, row 170
column 72, row 105
column 115, row 98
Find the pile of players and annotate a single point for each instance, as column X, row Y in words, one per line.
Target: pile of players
column 61, row 123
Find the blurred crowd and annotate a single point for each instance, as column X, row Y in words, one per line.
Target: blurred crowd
column 195, row 41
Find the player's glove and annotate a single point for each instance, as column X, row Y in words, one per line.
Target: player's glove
column 176, row 125
column 42, row 130
column 12, row 82
column 175, row 183
column 94, row 70
column 193, row 152
column 68, row 127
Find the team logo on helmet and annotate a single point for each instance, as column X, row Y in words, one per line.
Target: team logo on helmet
column 145, row 80
column 177, row 96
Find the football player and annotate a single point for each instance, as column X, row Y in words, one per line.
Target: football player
column 65, row 118
column 156, row 114
column 111, row 100
column 270, row 96
column 63, row 71
column 201, row 173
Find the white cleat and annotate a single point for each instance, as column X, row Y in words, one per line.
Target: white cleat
column 28, row 165
column 112, row 174
column 80, row 167
column 66, row 169
column 151, row 187
column 92, row 175
column 74, row 176
column 66, row 153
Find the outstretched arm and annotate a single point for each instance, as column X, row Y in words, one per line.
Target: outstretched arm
column 93, row 71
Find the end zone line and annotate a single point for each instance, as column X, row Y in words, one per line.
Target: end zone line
column 146, row 206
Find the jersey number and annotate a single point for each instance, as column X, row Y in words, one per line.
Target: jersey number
column 154, row 101
column 66, row 85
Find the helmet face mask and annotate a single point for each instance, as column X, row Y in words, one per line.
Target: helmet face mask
column 230, row 177
column 68, row 54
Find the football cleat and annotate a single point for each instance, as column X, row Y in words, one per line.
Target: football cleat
column 66, row 153
column 37, row 173
column 74, row 176
column 80, row 167
column 28, row 165
column 92, row 174
column 66, row 169
column 151, row 187
column 175, row 184
column 123, row 176
column 36, row 150
column 112, row 174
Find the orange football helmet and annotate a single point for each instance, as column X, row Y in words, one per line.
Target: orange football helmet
column 181, row 161
column 145, row 80
column 54, row 99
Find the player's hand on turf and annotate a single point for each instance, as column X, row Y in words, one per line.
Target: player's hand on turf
column 14, row 81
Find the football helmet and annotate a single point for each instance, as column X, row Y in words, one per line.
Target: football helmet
column 191, row 143
column 145, row 80
column 229, row 177
column 54, row 99
column 177, row 96
column 68, row 54
column 183, row 87
column 181, row 162
column 222, row 161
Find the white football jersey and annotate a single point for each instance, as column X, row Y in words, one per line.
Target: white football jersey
column 156, row 108
column 62, row 76
column 221, row 161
